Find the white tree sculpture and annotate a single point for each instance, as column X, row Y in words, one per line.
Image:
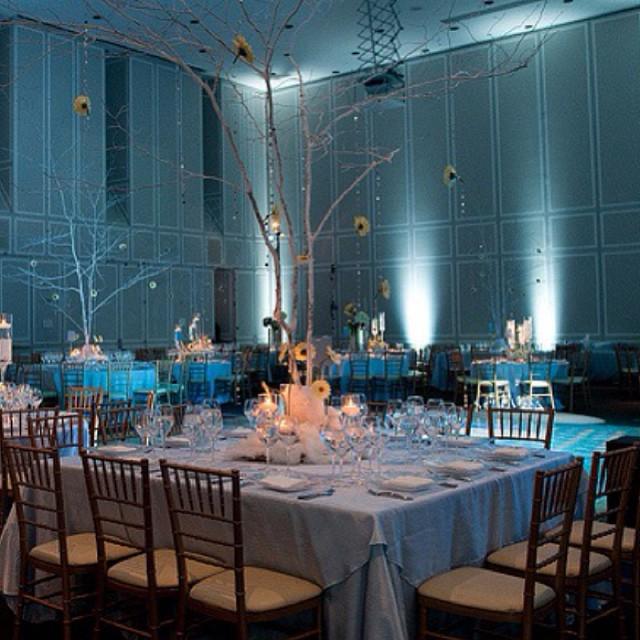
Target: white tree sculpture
column 84, row 243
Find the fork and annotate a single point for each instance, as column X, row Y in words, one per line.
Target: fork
column 384, row 493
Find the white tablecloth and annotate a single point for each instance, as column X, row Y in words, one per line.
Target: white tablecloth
column 367, row 552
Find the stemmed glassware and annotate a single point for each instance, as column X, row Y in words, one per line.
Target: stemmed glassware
column 359, row 439
column 211, row 417
column 267, row 431
column 289, row 435
column 334, row 440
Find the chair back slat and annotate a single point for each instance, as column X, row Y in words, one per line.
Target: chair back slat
column 609, row 484
column 206, row 519
column 64, row 432
column 510, row 423
column 36, row 482
column 120, row 497
column 116, row 424
column 554, row 502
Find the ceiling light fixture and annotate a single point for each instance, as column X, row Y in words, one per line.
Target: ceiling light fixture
column 379, row 47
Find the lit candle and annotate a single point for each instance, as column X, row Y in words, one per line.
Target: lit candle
column 351, row 409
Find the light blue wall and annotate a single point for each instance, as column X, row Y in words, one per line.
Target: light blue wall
column 166, row 224
column 547, row 222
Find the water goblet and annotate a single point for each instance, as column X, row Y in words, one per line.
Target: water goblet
column 350, row 405
column 359, row 439
column 267, row 431
column 289, row 434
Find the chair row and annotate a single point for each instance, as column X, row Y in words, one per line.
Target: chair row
column 134, row 586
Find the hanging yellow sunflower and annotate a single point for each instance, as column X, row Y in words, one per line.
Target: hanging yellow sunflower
column 350, row 309
column 361, row 225
column 300, row 352
column 303, row 258
column 243, row 48
column 449, row 175
column 384, row 289
column 321, row 389
column 274, row 219
column 82, row 105
column 282, row 352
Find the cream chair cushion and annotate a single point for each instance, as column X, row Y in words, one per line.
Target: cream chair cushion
column 483, row 589
column 514, row 556
column 81, row 550
column 265, row 590
column 605, row 542
column 134, row 570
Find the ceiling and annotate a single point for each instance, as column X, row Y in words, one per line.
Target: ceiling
column 323, row 37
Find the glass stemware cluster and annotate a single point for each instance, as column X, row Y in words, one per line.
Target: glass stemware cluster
column 14, row 397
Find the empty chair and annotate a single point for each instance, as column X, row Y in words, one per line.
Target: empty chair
column 85, row 399
column 628, row 363
column 490, row 390
column 493, row 596
column 359, row 373
column 72, row 376
column 120, row 499
column 587, row 566
column 577, row 378
column 13, row 428
column 169, row 388
column 391, row 384
column 65, row 432
column 119, row 380
column 60, row 556
column 538, row 384
column 116, row 424
column 459, row 378
column 196, row 378
column 206, row 519
column 509, row 423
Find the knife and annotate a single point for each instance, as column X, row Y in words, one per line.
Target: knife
column 315, row 494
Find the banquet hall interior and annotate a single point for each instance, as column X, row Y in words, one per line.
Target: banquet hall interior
column 319, row 319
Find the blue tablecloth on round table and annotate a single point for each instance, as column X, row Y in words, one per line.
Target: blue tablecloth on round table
column 215, row 370
column 376, row 370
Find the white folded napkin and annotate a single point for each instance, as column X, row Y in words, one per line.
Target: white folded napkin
column 116, row 449
column 238, row 432
column 177, row 442
column 284, row 483
column 463, row 441
column 462, row 467
column 406, row 483
column 509, row 453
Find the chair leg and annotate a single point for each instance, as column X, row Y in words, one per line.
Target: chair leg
column 66, row 606
column 581, row 612
column 422, row 622
column 17, row 621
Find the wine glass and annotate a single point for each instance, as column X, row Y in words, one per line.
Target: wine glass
column 251, row 411
column 289, row 434
column 392, row 413
column 267, row 431
column 212, row 422
column 415, row 405
column 333, row 440
column 359, row 439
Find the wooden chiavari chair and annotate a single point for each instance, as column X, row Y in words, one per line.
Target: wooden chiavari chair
column 532, row 425
column 116, row 424
column 206, row 519
column 120, row 497
column 168, row 388
column 538, row 383
column 119, row 380
column 14, row 428
column 65, row 432
column 493, row 596
column 39, row 501
column 359, row 372
column 577, row 377
column 587, row 565
column 628, row 363
column 85, row 399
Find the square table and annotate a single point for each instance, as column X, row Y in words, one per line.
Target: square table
column 369, row 553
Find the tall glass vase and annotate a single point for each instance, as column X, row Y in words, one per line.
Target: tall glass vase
column 6, row 342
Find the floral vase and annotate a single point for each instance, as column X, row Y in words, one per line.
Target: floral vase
column 301, row 403
column 361, row 339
